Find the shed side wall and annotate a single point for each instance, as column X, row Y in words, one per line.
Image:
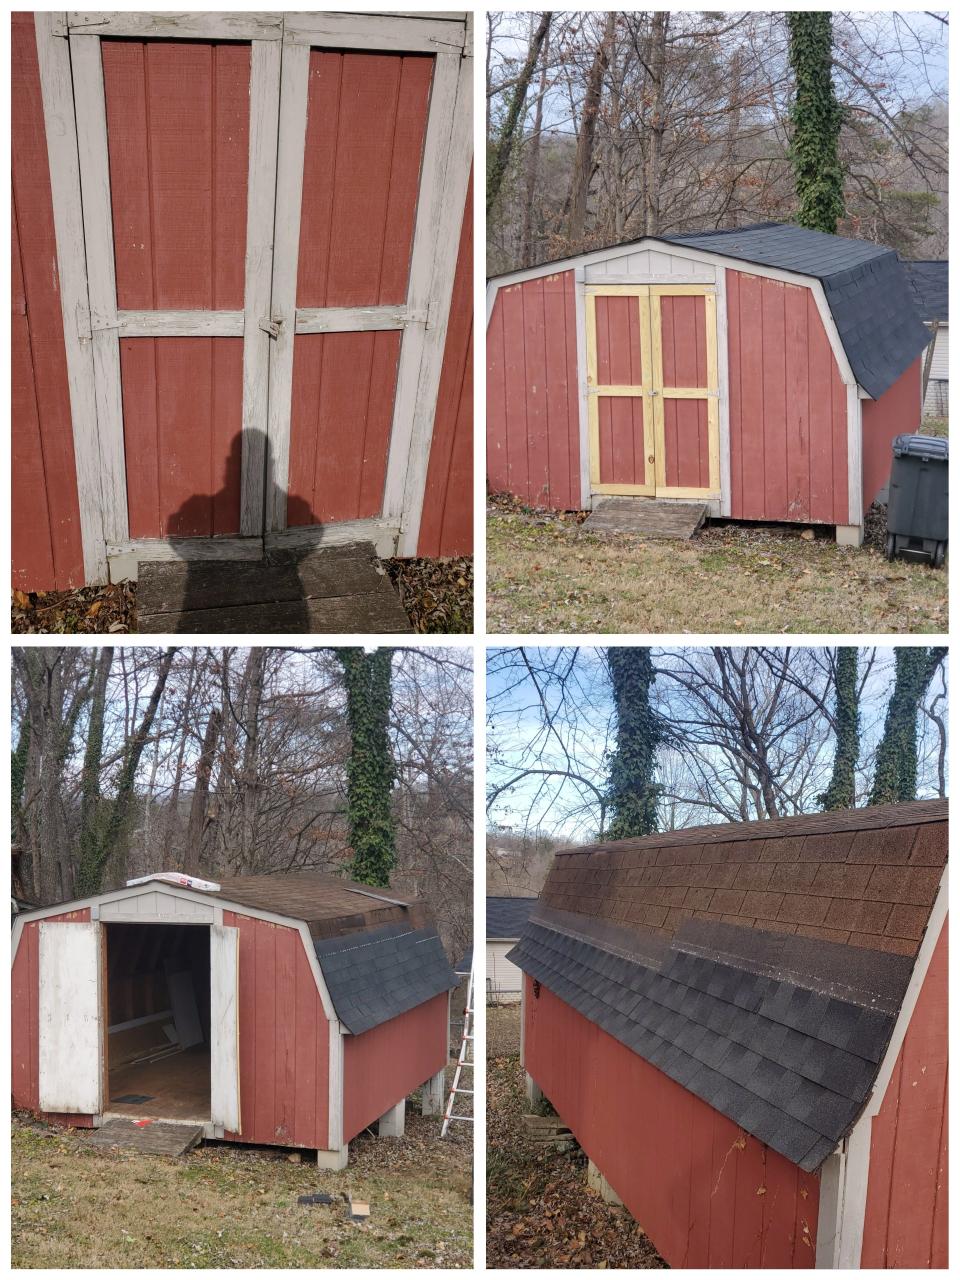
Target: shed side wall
column 446, row 527
column 284, row 1046
column 788, row 407
column 47, row 551
column 25, row 1020
column 896, row 412
column 383, row 1065
column 533, row 393
column 722, row 1199
column 905, row 1223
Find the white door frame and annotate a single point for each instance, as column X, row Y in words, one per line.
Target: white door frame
column 73, row 100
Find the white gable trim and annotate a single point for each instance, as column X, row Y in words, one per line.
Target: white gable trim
column 694, row 255
column 847, row 1171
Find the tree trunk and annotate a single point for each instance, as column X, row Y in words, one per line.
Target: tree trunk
column 816, row 116
column 632, row 793
column 371, row 771
column 193, row 850
column 842, row 791
column 90, row 794
column 501, row 156
column 652, row 137
column 586, row 135
column 531, row 198
column 895, row 775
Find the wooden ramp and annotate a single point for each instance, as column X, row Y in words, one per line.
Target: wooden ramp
column 648, row 517
column 158, row 1138
column 338, row 589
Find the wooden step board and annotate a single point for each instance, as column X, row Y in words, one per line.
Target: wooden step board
column 158, row 1138
column 648, row 517
column 338, row 589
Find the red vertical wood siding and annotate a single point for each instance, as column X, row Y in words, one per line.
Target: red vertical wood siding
column 47, row 553
column 683, row 340
column 690, row 1176
column 284, row 1049
column 178, row 138
column 905, row 1224
column 446, row 527
column 533, row 393
column 25, row 1020
column 788, row 414
column 366, row 122
column 385, row 1064
column 895, row 413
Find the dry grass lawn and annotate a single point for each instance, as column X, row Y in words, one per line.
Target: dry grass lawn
column 229, row 1206
column 544, row 576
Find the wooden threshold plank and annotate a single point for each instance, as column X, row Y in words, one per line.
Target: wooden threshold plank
column 367, row 614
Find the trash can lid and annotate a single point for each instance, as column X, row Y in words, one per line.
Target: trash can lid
column 921, row 447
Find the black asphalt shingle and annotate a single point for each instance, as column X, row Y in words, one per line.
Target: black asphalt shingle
column 929, row 281
column 506, row 917
column 788, row 1060
column 378, row 974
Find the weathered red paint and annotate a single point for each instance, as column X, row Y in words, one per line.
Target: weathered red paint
column 446, row 528
column 905, row 1224
column 897, row 412
column 533, row 393
column 706, row 1193
column 788, row 414
column 284, row 1034
column 25, row 1021
column 683, row 340
column 46, row 548
column 385, row 1064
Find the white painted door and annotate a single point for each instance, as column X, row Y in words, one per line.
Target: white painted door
column 225, row 1026
column 71, row 1075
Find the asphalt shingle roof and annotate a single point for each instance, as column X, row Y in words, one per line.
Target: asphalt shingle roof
column 507, row 916
column 929, row 282
column 867, row 290
column 378, row 974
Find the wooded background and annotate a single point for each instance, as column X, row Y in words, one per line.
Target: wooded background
column 232, row 761
column 577, row 736
column 605, row 127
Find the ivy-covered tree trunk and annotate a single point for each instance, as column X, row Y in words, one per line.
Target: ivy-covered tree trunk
column 18, row 773
column 90, row 797
column 499, row 158
column 370, row 769
column 842, row 791
column 895, row 775
column 816, row 116
column 632, row 793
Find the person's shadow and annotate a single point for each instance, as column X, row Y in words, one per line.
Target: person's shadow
column 265, row 594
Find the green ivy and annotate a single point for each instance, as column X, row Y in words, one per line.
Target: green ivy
column 842, row 791
column 816, row 116
column 895, row 775
column 632, row 794
column 370, row 770
column 18, row 773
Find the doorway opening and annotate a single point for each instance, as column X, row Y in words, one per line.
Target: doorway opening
column 157, row 1050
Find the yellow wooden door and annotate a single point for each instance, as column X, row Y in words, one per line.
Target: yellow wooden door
column 619, row 383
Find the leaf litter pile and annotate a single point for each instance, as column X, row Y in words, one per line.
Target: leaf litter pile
column 437, row 594
column 540, row 1211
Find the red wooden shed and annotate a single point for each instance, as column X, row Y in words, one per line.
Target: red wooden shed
column 242, row 265
column 763, row 372
column 295, row 1010
column 746, row 1029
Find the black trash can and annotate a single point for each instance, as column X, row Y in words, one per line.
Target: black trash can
column 917, row 508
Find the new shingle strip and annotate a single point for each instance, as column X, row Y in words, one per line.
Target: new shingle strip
column 792, row 1066
column 376, row 975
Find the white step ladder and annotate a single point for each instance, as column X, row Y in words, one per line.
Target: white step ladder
column 464, row 1063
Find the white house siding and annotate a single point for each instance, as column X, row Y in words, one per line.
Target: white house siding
column 937, row 401
column 504, row 979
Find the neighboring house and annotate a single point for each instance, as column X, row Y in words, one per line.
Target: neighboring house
column 745, row 1027
column 506, row 919
column 929, row 283
column 763, row 372
column 293, row 1010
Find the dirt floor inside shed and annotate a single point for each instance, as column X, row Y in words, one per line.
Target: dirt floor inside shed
column 230, row 1206
column 540, row 1211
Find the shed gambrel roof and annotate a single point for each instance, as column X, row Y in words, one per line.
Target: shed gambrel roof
column 506, row 917
column 762, row 966
column 929, row 281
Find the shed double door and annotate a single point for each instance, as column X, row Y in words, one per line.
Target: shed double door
column 262, row 198
column 652, row 390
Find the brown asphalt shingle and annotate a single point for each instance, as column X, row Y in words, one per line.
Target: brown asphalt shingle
column 866, row 877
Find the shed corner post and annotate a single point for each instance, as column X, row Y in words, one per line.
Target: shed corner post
column 391, row 1124
column 830, row 1219
column 851, row 535
column 334, row 1160
column 432, row 1094
column 580, row 315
